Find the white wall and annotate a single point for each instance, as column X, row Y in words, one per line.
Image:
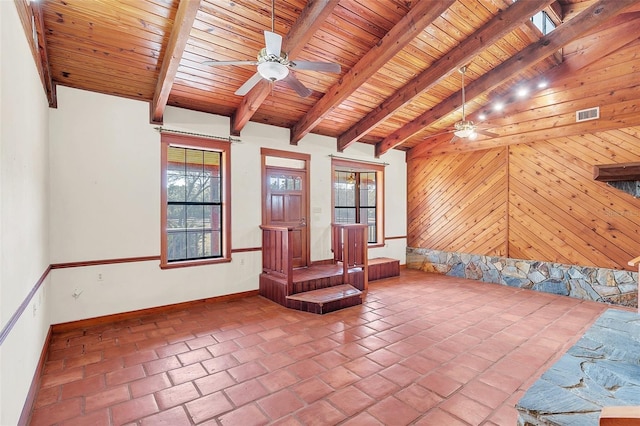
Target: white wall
column 24, row 228
column 105, row 204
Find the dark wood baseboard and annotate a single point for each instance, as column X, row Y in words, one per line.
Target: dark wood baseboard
column 27, row 408
column 91, row 322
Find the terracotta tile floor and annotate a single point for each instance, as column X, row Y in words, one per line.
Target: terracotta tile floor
column 422, row 349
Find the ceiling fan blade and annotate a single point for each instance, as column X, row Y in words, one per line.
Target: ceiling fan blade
column 484, row 132
column 248, row 85
column 433, row 135
column 214, row 63
column 316, row 66
column 273, row 43
column 296, row 85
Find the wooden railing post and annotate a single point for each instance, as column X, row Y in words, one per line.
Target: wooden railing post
column 635, row 262
column 336, row 242
column 349, row 243
column 277, row 259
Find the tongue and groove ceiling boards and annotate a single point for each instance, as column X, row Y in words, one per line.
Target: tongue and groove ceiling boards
column 398, row 86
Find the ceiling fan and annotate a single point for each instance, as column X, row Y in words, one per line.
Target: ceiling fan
column 274, row 65
column 467, row 129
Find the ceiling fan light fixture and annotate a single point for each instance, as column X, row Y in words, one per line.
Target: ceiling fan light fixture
column 464, row 133
column 464, row 129
column 273, row 71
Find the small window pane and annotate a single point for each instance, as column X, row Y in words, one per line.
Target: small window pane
column 345, row 215
column 175, row 175
column 195, row 241
column 195, row 217
column 273, row 182
column 176, row 218
column 176, row 245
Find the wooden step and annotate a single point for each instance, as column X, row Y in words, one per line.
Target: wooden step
column 325, row 300
column 383, row 267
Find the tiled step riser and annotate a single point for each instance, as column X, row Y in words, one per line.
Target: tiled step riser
column 316, row 308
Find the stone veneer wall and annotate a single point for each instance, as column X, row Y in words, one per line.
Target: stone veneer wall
column 589, row 283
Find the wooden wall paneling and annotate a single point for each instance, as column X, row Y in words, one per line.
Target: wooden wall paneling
column 458, row 202
column 551, row 179
column 522, row 243
column 574, row 187
column 424, row 196
column 468, row 212
column 553, row 218
column 604, row 199
column 534, row 229
column 431, row 183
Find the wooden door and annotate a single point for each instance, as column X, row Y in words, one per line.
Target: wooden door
column 286, row 205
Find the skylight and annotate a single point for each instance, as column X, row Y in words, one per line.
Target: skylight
column 543, row 22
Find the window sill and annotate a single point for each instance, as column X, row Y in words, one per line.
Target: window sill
column 377, row 245
column 188, row 263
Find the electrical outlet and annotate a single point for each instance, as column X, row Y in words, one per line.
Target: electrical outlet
column 241, row 262
column 35, row 308
column 100, row 278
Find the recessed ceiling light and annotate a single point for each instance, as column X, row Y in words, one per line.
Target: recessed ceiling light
column 498, row 106
column 522, row 92
column 543, row 84
column 482, row 116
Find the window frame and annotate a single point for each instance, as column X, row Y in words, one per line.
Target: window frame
column 362, row 167
column 193, row 142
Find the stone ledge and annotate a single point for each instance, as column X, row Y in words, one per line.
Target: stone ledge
column 602, row 369
column 616, row 287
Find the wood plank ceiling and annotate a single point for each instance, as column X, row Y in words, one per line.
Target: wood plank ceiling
column 398, row 85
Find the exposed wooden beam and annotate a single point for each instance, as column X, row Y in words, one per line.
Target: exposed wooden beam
column 616, row 172
column 310, row 20
column 182, row 24
column 590, row 18
column 408, row 28
column 618, row 32
column 499, row 26
column 33, row 24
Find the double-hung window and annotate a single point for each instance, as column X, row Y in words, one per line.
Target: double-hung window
column 358, row 196
column 195, row 201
